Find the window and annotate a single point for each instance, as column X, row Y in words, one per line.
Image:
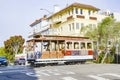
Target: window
column 81, row 11
column 89, row 45
column 89, row 12
column 61, row 46
column 69, row 12
column 82, row 45
column 61, row 28
column 69, row 45
column 82, row 24
column 76, row 10
column 72, row 26
column 69, row 27
column 90, row 25
column 76, row 45
column 72, row 11
column 94, row 25
column 77, row 26
column 61, row 16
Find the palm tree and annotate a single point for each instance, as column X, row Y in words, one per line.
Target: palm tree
column 101, row 33
column 106, row 30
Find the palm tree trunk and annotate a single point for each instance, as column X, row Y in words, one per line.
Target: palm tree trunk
column 104, row 57
column 106, row 47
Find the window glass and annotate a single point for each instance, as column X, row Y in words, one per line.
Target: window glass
column 89, row 45
column 72, row 11
column 90, row 25
column 77, row 26
column 76, row 45
column 69, row 27
column 81, row 11
column 69, row 12
column 61, row 28
column 89, row 12
column 69, row 45
column 73, row 26
column 61, row 45
column 82, row 24
column 83, row 45
column 94, row 25
column 76, row 10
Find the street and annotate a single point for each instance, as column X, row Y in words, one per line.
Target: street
column 62, row 72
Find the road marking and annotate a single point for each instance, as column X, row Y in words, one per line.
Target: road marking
column 32, row 74
column 49, row 73
column 44, row 73
column 69, row 72
column 36, row 74
column 15, row 67
column 13, row 71
column 54, row 72
column 68, row 78
column 97, row 77
column 1, row 72
column 110, row 74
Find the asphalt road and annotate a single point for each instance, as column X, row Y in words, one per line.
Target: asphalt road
column 62, row 72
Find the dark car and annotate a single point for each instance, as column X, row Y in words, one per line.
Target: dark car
column 20, row 61
column 3, row 61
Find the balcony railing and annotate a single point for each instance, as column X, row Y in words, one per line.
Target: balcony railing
column 70, row 17
column 93, row 18
column 80, row 16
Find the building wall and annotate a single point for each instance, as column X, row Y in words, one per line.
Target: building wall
column 116, row 16
column 68, row 21
column 63, row 28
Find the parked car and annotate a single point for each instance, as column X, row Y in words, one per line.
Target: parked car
column 3, row 61
column 20, row 61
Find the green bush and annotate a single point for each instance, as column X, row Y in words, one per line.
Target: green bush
column 109, row 58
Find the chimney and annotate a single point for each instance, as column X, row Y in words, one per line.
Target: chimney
column 56, row 8
column 44, row 17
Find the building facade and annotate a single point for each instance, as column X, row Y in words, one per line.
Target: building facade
column 116, row 16
column 68, row 21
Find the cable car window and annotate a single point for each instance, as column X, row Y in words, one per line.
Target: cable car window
column 69, row 45
column 89, row 45
column 76, row 45
column 83, row 45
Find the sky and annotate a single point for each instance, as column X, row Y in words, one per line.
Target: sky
column 17, row 15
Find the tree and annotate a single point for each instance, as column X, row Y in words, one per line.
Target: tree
column 2, row 51
column 104, row 30
column 102, row 33
column 14, row 45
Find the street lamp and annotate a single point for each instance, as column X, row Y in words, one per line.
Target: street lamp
column 46, row 10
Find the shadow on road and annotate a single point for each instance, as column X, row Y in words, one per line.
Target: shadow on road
column 17, row 73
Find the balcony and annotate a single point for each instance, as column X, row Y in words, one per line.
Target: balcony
column 80, row 16
column 70, row 17
column 93, row 18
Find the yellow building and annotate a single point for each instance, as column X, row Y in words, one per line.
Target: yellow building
column 70, row 20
